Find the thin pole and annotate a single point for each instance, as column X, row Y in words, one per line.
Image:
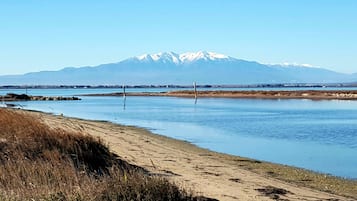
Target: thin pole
column 195, row 89
column 124, row 94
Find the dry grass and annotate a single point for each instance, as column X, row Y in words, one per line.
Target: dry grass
column 39, row 163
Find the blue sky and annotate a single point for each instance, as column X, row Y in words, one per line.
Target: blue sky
column 49, row 35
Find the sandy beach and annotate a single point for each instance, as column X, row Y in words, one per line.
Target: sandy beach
column 211, row 174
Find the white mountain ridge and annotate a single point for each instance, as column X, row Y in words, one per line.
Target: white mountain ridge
column 187, row 57
column 190, row 57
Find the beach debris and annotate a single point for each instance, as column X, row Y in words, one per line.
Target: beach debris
column 235, row 180
column 202, row 198
column 211, row 173
column 152, row 163
column 273, row 192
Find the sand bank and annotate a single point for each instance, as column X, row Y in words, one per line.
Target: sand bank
column 303, row 94
column 212, row 174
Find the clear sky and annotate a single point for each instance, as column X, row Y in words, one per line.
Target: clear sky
column 52, row 34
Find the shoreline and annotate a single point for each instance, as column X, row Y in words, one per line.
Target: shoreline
column 216, row 175
column 299, row 94
column 11, row 97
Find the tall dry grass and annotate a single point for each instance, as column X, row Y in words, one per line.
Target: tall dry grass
column 40, row 163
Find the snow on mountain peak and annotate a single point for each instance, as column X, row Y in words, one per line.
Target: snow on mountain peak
column 194, row 56
column 294, row 64
column 188, row 57
column 144, row 57
column 297, row 64
column 162, row 56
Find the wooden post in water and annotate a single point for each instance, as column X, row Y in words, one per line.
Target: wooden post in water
column 195, row 89
column 124, row 94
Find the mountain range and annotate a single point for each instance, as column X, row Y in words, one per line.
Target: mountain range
column 181, row 69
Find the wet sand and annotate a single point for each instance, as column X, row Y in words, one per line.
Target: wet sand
column 211, row 174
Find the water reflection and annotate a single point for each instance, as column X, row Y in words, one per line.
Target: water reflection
column 124, row 102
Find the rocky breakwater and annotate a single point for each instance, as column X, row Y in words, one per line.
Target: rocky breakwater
column 24, row 97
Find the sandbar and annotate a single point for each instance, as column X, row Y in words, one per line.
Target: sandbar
column 259, row 94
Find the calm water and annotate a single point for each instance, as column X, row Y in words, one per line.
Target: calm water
column 317, row 135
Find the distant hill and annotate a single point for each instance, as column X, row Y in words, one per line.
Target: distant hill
column 171, row 68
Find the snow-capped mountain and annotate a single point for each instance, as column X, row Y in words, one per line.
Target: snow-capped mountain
column 165, row 57
column 202, row 55
column 185, row 58
column 181, row 69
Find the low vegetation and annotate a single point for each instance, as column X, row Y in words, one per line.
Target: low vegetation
column 300, row 177
column 41, row 163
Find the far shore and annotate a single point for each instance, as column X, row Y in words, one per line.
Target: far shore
column 10, row 97
column 178, row 86
column 212, row 174
column 259, row 94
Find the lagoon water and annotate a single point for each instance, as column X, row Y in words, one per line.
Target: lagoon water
column 316, row 135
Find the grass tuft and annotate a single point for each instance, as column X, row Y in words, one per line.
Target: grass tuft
column 41, row 163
